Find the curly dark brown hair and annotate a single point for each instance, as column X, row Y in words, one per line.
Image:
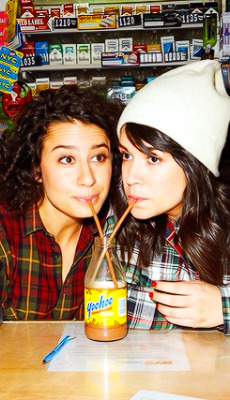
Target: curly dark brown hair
column 20, row 153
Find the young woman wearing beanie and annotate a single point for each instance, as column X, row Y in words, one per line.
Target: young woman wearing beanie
column 175, row 244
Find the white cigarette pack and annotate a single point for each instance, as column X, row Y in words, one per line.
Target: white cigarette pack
column 111, row 45
column 96, row 50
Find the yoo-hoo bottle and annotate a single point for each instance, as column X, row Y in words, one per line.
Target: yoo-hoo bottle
column 105, row 295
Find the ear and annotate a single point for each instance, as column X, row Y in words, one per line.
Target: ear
column 37, row 175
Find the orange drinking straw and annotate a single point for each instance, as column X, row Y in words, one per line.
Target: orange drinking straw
column 119, row 222
column 117, row 226
column 110, row 265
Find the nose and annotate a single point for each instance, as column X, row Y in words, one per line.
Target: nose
column 85, row 175
column 132, row 173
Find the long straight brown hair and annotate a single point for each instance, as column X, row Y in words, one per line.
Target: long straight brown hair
column 204, row 229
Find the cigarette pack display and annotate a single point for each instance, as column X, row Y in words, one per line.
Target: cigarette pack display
column 70, row 80
column 196, row 49
column 33, row 88
column 68, row 10
column 149, row 58
column 42, row 84
column 167, row 44
column 141, row 9
column 41, row 50
column 153, row 48
column 55, row 54
column 140, row 48
column 97, row 10
column 126, row 44
column 82, row 9
column 98, row 80
column 97, row 21
column 120, row 58
column 54, row 85
column 96, row 50
column 83, row 53
column 41, row 12
column 112, row 9
column 153, row 20
column 111, row 45
column 55, row 12
column 182, row 46
column 127, row 9
column 69, row 53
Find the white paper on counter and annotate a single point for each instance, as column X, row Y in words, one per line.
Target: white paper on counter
column 140, row 350
column 152, row 395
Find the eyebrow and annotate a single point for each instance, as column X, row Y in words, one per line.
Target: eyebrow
column 96, row 146
column 123, row 147
column 149, row 148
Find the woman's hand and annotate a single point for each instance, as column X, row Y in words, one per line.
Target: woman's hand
column 191, row 304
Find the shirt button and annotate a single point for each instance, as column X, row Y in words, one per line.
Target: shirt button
column 55, row 255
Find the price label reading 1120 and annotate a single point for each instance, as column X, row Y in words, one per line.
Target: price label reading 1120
column 129, row 20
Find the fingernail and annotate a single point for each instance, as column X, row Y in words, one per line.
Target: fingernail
column 151, row 295
column 154, row 284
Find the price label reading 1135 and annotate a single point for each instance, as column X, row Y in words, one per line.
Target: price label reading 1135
column 192, row 18
column 129, row 20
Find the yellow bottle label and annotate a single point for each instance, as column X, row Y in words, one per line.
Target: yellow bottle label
column 105, row 307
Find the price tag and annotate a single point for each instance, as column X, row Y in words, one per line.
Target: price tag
column 175, row 56
column 129, row 20
column 28, row 61
column 64, row 23
column 192, row 18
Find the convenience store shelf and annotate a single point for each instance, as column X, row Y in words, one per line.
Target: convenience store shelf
column 63, row 67
column 136, row 28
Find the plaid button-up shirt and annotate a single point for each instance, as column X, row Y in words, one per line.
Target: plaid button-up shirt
column 171, row 265
column 31, row 284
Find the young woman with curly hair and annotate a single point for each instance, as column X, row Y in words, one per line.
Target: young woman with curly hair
column 58, row 158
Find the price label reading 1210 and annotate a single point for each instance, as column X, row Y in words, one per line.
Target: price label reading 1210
column 129, row 20
column 64, row 23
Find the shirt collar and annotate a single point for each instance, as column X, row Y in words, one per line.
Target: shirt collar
column 33, row 223
column 172, row 228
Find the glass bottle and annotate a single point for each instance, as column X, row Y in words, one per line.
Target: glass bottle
column 105, row 295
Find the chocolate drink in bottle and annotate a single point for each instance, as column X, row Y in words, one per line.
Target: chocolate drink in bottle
column 105, row 295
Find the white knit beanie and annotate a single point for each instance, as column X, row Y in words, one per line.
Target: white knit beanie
column 190, row 105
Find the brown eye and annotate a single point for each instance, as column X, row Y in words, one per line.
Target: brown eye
column 99, row 158
column 125, row 156
column 153, row 159
column 66, row 160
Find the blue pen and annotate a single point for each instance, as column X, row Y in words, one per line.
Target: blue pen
column 56, row 349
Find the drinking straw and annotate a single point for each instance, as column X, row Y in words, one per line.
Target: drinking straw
column 110, row 265
column 117, row 226
column 119, row 222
